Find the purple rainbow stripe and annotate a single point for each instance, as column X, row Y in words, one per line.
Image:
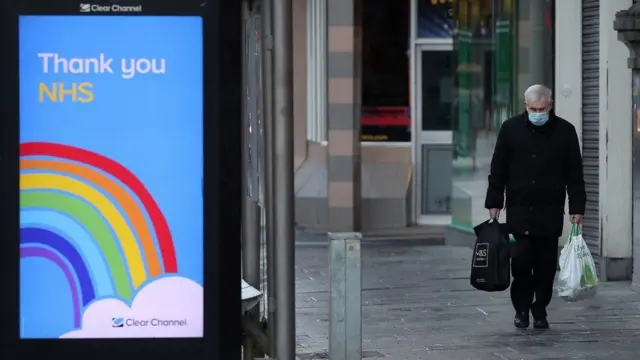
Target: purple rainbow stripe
column 38, row 236
column 27, row 252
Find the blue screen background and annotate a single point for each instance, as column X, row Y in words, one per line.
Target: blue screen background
column 151, row 124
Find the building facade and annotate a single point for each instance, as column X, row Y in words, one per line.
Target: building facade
column 426, row 85
column 593, row 88
column 437, row 78
column 502, row 47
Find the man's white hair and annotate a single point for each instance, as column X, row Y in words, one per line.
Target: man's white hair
column 537, row 92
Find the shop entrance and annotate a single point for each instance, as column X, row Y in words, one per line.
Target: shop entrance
column 433, row 143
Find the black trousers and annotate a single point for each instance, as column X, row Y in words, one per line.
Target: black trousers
column 534, row 261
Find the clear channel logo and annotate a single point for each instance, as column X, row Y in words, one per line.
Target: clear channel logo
column 120, row 322
column 117, row 322
column 115, row 8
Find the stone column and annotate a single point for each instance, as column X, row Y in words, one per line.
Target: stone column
column 343, row 112
column 627, row 24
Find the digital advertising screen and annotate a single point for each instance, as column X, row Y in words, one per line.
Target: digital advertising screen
column 111, row 176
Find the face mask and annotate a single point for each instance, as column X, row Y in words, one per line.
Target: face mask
column 539, row 119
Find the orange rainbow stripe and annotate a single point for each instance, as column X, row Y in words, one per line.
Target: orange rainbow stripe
column 121, row 196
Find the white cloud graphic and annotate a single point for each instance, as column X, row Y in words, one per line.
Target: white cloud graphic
column 168, row 307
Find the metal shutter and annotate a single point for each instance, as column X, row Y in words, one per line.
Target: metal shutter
column 590, row 120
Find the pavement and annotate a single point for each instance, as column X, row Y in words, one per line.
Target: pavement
column 418, row 304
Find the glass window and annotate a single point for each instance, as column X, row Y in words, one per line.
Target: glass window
column 437, row 85
column 534, row 45
column 434, row 19
column 493, row 64
column 385, row 71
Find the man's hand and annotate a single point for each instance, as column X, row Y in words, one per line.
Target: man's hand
column 576, row 219
column 494, row 213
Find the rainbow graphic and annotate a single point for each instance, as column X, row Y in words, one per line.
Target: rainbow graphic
column 94, row 219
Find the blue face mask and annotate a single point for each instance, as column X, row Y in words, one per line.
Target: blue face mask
column 539, row 119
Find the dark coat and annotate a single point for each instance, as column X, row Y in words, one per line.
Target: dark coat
column 537, row 166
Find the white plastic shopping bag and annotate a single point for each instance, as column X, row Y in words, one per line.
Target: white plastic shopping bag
column 578, row 279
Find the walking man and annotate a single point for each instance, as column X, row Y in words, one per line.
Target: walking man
column 537, row 161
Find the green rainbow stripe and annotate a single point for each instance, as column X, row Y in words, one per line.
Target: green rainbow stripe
column 93, row 223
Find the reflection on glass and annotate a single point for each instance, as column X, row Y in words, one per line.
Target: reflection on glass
column 487, row 87
column 437, row 90
column 252, row 106
column 434, row 19
column 474, row 128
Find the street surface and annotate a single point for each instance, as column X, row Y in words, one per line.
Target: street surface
column 418, row 304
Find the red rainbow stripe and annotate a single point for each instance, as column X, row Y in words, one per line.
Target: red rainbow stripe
column 125, row 176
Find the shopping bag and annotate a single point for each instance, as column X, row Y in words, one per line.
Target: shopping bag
column 578, row 279
column 490, row 265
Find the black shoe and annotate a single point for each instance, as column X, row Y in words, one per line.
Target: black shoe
column 541, row 324
column 521, row 321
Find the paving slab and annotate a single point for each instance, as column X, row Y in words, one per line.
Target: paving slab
column 418, row 304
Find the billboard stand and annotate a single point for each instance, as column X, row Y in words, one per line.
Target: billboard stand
column 266, row 13
column 116, row 145
column 283, row 179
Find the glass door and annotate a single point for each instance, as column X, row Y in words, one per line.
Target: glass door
column 433, row 144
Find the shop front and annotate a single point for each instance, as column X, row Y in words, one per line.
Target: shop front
column 501, row 47
column 439, row 78
column 432, row 60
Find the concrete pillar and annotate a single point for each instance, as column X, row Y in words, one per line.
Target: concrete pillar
column 627, row 24
column 615, row 148
column 343, row 112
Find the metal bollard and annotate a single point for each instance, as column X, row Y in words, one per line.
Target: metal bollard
column 345, row 308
